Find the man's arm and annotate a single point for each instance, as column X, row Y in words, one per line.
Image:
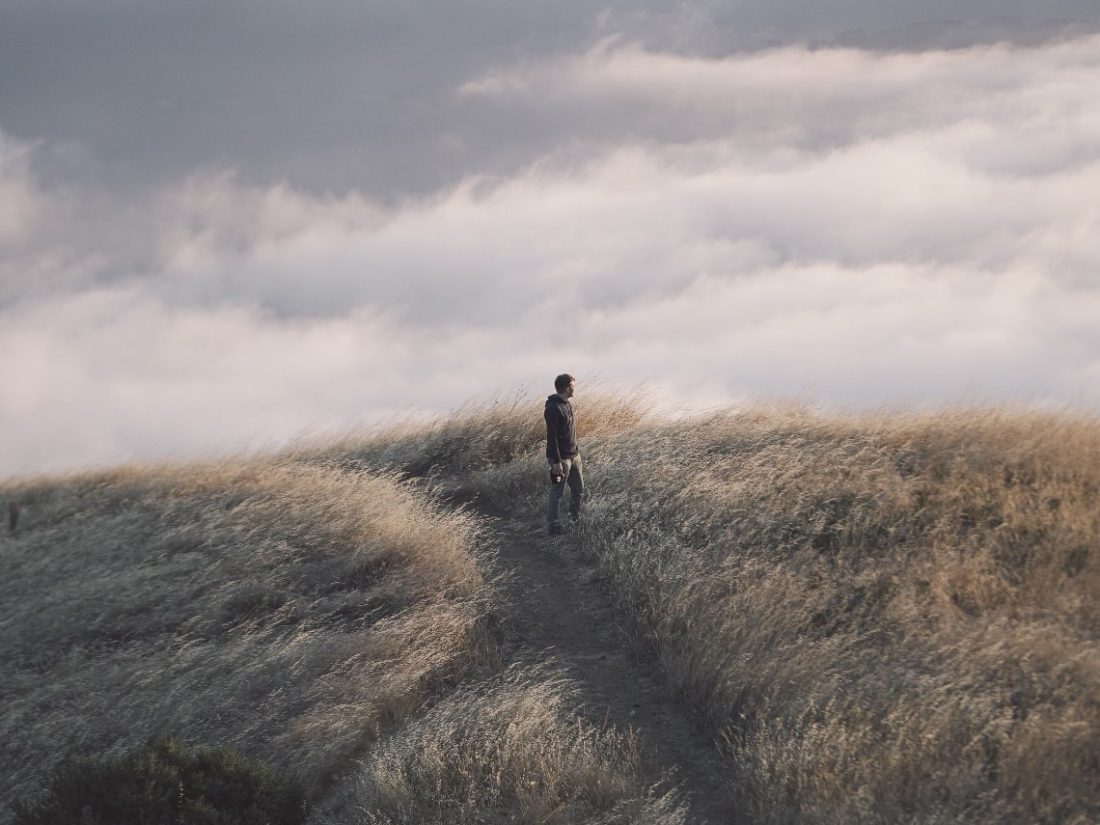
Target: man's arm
column 553, row 449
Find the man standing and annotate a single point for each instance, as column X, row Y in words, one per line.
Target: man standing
column 562, row 453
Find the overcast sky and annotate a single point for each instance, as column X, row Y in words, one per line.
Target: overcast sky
column 226, row 223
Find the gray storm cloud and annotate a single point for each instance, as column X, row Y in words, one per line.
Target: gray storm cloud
column 346, row 95
column 855, row 226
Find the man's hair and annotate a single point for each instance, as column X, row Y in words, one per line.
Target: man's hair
column 562, row 381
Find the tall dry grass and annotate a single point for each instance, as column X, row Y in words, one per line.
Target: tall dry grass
column 512, row 749
column 477, row 436
column 292, row 612
column 304, row 615
column 884, row 618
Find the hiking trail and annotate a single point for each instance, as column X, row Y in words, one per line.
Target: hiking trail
column 554, row 608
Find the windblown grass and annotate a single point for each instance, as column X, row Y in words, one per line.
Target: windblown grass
column 290, row 612
column 510, row 750
column 473, row 438
column 303, row 615
column 884, row 618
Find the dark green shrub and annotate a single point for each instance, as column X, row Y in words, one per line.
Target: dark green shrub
column 165, row 783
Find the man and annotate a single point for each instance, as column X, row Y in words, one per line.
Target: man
column 562, row 453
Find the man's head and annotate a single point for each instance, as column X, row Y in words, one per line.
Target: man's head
column 565, row 384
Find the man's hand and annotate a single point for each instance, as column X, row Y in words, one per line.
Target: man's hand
column 557, row 471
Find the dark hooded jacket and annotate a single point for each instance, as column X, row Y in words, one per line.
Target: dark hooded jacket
column 561, row 433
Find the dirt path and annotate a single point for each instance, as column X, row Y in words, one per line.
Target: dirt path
column 555, row 608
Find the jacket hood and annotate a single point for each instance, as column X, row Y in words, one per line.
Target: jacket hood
column 555, row 399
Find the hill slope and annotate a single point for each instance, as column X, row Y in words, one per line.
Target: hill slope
column 337, row 625
column 877, row 618
column 882, row 617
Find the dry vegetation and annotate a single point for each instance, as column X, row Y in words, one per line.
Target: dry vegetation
column 884, row 618
column 335, row 624
column 888, row 618
column 472, row 439
column 512, row 750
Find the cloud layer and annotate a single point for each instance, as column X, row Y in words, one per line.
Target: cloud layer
column 860, row 227
column 346, row 95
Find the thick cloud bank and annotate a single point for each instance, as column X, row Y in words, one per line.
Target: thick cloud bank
column 856, row 227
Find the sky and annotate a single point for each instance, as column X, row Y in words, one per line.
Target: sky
column 227, row 224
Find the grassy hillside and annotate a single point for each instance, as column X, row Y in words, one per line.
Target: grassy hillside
column 887, row 618
column 336, row 624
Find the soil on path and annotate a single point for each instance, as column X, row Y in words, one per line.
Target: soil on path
column 554, row 608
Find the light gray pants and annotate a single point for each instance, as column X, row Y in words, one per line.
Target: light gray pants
column 573, row 475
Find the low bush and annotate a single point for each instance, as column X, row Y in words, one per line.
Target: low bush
column 166, row 783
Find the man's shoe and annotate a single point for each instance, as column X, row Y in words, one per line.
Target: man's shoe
column 555, row 530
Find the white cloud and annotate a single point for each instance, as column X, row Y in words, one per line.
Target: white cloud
column 860, row 228
column 796, row 96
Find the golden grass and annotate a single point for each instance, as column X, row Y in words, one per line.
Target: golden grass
column 302, row 614
column 509, row 750
column 888, row 617
column 883, row 618
column 233, row 604
column 475, row 437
